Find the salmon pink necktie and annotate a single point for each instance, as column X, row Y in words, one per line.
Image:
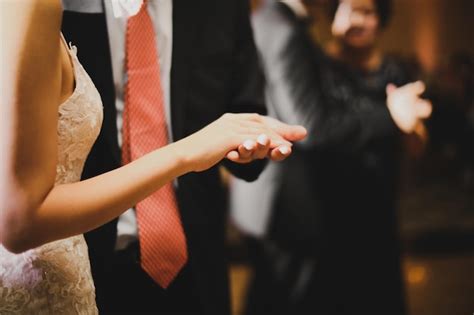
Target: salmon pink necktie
column 162, row 240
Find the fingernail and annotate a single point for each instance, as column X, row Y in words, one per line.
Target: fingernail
column 284, row 150
column 248, row 144
column 262, row 139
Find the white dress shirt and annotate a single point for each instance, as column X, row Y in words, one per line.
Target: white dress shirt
column 161, row 15
column 252, row 204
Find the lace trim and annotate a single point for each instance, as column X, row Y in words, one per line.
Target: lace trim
column 56, row 278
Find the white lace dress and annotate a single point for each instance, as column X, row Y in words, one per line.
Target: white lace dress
column 56, row 278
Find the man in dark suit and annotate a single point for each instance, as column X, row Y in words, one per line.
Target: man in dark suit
column 330, row 245
column 208, row 67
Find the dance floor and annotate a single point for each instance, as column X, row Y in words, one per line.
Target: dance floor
column 436, row 284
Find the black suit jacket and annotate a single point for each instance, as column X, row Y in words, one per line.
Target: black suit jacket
column 347, row 166
column 214, row 71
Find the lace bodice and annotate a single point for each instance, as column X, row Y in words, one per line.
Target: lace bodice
column 55, row 278
column 80, row 119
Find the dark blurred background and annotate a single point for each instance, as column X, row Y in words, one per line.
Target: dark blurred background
column 434, row 40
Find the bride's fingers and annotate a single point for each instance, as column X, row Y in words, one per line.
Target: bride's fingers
column 263, row 145
column 289, row 132
column 263, row 141
column 246, row 149
column 275, row 139
column 256, row 124
column 292, row 133
column 233, row 155
column 276, row 151
column 280, row 153
column 236, row 158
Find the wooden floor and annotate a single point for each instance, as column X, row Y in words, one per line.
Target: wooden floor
column 436, row 285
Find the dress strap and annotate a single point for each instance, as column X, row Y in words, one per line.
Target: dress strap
column 63, row 39
column 71, row 48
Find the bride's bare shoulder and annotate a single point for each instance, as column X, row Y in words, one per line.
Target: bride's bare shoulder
column 30, row 81
column 29, row 19
column 29, row 33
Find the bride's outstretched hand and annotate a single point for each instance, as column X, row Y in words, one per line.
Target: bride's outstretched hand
column 250, row 149
column 241, row 138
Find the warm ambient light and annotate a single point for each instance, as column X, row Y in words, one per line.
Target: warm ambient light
column 416, row 274
column 426, row 33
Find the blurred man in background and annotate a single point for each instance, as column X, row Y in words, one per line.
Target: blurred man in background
column 330, row 241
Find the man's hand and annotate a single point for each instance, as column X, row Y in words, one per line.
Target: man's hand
column 406, row 107
column 342, row 19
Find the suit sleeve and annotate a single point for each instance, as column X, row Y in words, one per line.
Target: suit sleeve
column 247, row 84
column 297, row 72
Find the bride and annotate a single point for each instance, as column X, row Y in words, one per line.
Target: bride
column 50, row 116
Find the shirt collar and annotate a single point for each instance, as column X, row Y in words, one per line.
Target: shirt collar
column 126, row 8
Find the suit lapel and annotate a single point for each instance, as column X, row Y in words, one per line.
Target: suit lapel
column 111, row 135
column 88, row 31
column 186, row 16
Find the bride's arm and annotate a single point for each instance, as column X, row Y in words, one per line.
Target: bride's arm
column 76, row 208
column 33, row 212
column 30, row 81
